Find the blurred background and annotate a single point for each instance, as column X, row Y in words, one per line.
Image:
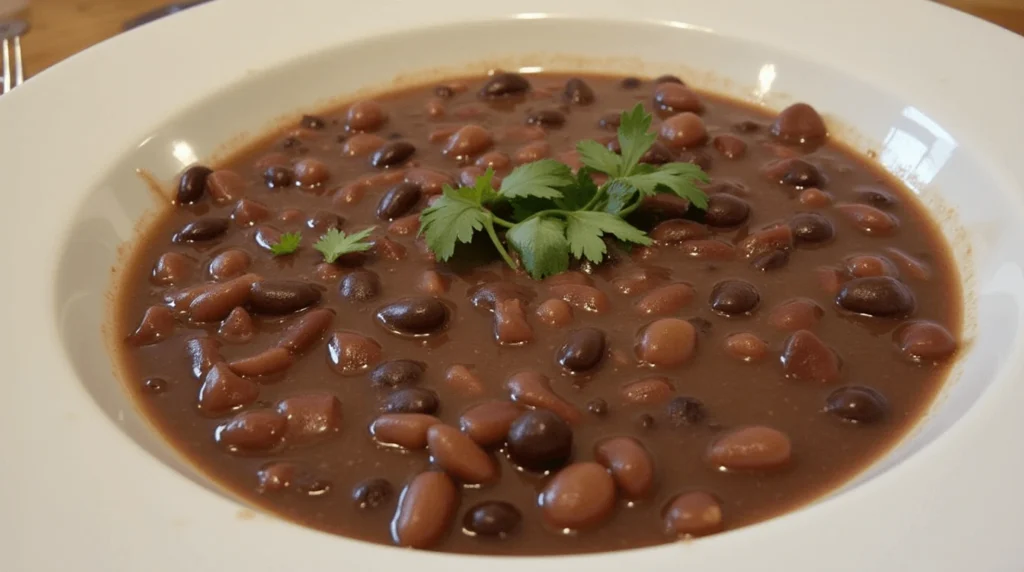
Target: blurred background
column 60, row 28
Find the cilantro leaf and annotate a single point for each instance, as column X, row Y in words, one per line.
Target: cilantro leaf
column 482, row 192
column 584, row 230
column 541, row 179
column 679, row 178
column 599, row 158
column 455, row 217
column 525, row 207
column 635, row 138
column 541, row 244
column 288, row 244
column 335, row 243
column 579, row 195
column 620, row 193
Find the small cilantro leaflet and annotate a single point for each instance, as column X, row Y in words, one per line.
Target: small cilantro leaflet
column 541, row 244
column 635, row 138
column 542, row 179
column 454, row 218
column 620, row 193
column 288, row 244
column 579, row 195
column 678, row 178
column 599, row 158
column 335, row 243
column 584, row 230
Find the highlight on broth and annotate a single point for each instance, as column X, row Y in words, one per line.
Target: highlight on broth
column 540, row 314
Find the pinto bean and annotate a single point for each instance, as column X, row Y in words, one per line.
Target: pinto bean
column 425, row 510
column 583, row 297
column 489, row 422
column 510, row 325
column 629, row 463
column 267, row 362
column 405, row 430
column 306, row 330
column 223, row 391
column 217, row 302
column 460, row 456
column 534, row 389
column 157, row 324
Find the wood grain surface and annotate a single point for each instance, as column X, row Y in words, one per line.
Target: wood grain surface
column 61, row 28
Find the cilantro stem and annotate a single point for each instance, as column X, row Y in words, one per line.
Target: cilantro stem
column 628, row 210
column 489, row 225
column 502, row 222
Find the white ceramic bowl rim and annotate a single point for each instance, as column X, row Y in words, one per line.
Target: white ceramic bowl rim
column 77, row 493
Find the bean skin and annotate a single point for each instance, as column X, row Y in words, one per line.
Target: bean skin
column 425, row 510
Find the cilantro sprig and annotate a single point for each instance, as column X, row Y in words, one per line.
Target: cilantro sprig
column 556, row 214
column 335, row 243
column 287, row 244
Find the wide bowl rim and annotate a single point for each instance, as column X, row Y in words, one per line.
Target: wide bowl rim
column 36, row 108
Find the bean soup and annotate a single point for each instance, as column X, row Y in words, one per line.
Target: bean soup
column 290, row 324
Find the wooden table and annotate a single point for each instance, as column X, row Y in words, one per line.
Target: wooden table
column 62, row 27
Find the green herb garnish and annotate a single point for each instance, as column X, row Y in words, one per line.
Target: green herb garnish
column 335, row 243
column 556, row 214
column 288, row 244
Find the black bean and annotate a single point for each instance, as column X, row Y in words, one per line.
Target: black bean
column 277, row 176
column 280, row 297
column 323, row 221
column 683, row 411
column 360, row 285
column 726, row 210
column 391, row 154
column 539, row 441
column 546, row 118
column 372, row 493
column 796, row 172
column 414, row 317
column 696, row 157
column 505, row 85
column 313, row 122
column 770, row 260
column 881, row 296
column 874, row 196
column 582, row 350
column 811, row 228
column 492, row 518
column 202, row 230
column 856, row 404
column 412, row 400
column 668, row 78
column 399, row 200
column 192, row 184
column 486, row 296
column 598, row 407
column 734, row 297
column 578, row 92
column 610, row 121
column 658, row 154
column 397, row 373
column 630, row 83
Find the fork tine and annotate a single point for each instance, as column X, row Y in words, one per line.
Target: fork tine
column 7, row 67
column 19, row 69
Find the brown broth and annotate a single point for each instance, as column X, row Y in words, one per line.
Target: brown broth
column 826, row 451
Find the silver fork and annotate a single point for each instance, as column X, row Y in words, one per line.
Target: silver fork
column 13, row 70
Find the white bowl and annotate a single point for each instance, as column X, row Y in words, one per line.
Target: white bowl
column 86, row 485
